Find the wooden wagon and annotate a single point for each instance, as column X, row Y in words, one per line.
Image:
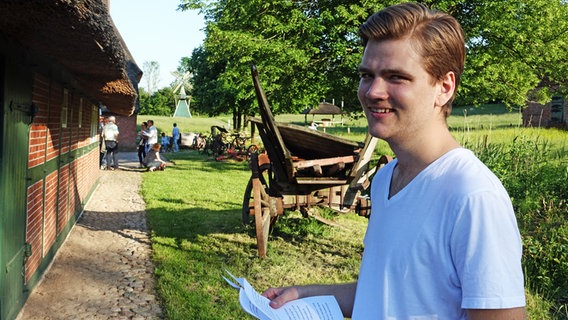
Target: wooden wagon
column 300, row 168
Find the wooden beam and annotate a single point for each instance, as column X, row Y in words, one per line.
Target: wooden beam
column 323, row 162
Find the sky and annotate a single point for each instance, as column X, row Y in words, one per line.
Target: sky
column 155, row 31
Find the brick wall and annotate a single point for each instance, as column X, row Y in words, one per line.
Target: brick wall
column 128, row 133
column 38, row 132
column 64, row 152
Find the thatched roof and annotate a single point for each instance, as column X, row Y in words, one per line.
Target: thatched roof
column 81, row 36
column 323, row 108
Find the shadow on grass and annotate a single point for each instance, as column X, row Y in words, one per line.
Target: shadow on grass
column 193, row 223
column 203, row 229
column 208, row 164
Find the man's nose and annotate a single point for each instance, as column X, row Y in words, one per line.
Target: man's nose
column 377, row 89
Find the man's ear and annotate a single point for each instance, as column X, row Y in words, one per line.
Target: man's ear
column 447, row 88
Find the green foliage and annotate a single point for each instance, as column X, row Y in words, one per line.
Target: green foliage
column 297, row 226
column 516, row 50
column 161, row 103
column 536, row 182
column 308, row 51
column 315, row 42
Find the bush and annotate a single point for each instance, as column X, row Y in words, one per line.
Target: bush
column 537, row 184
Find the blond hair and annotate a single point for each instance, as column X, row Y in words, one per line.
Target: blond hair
column 436, row 36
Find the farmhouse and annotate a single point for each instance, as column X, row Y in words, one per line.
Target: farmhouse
column 551, row 114
column 60, row 62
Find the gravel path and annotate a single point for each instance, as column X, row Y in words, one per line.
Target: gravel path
column 104, row 268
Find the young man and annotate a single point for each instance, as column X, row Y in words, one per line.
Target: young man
column 151, row 135
column 442, row 240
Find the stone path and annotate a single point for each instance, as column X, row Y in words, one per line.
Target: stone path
column 104, row 268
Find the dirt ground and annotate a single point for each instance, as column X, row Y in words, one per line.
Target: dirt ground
column 103, row 270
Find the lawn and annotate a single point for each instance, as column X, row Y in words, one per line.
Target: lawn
column 194, row 212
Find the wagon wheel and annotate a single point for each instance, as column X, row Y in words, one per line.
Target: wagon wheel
column 248, row 203
column 257, row 201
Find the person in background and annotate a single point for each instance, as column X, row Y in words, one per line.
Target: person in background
column 110, row 134
column 153, row 161
column 151, row 135
column 442, row 241
column 142, row 142
column 102, row 148
column 176, row 136
column 165, row 142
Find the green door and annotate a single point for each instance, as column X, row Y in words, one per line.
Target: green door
column 14, row 99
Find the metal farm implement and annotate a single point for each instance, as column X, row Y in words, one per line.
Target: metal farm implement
column 301, row 168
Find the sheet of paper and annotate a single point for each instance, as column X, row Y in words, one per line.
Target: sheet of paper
column 312, row 308
column 256, row 303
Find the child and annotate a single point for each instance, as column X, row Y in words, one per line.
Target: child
column 152, row 161
column 165, row 142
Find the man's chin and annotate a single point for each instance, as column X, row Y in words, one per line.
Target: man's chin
column 377, row 132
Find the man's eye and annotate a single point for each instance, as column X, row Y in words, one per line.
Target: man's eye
column 365, row 75
column 395, row 77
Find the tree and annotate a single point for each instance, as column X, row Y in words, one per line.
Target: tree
column 517, row 50
column 307, row 51
column 161, row 103
column 205, row 93
column 300, row 61
column 151, row 75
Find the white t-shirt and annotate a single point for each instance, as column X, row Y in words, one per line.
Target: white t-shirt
column 110, row 131
column 447, row 242
column 152, row 135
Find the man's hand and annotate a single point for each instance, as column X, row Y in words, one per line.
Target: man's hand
column 343, row 293
column 279, row 296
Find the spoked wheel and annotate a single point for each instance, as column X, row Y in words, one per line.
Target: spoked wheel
column 258, row 202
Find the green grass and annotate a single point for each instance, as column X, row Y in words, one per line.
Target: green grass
column 185, row 125
column 194, row 212
column 469, row 125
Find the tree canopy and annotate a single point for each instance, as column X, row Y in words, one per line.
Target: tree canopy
column 517, row 50
column 309, row 51
column 160, row 103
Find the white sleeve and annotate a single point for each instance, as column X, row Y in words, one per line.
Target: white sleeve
column 487, row 251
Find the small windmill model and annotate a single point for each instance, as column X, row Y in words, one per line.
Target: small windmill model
column 182, row 101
